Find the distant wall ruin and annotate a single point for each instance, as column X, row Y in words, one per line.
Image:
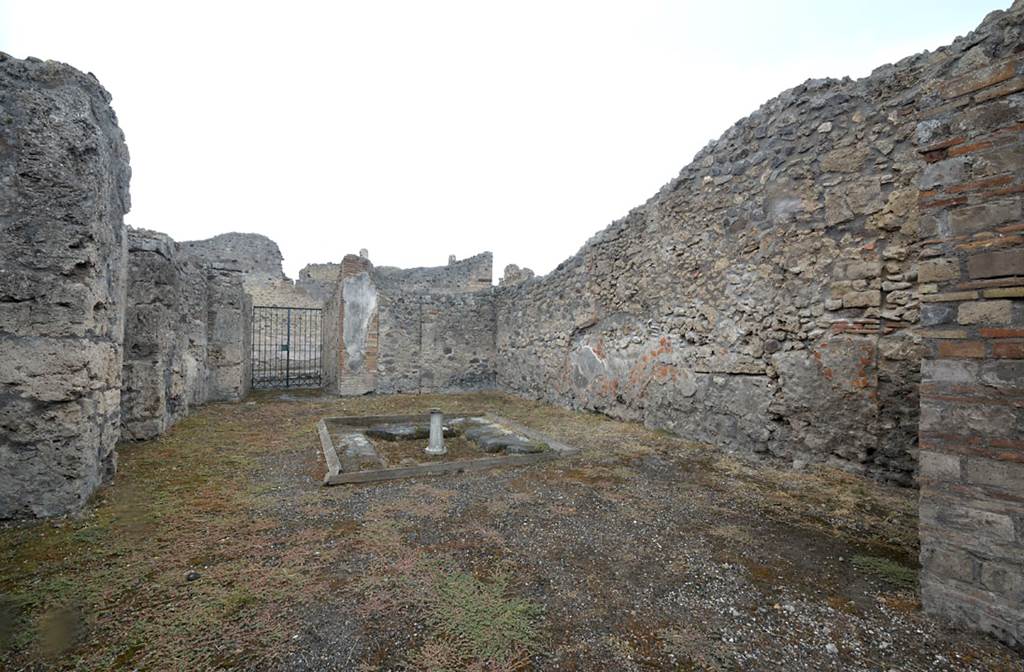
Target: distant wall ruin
column 411, row 330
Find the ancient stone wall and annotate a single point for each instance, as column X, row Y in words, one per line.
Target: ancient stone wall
column 229, row 335
column 437, row 342
column 318, row 281
column 251, row 253
column 258, row 259
column 764, row 300
column 63, row 193
column 413, row 330
column 177, row 306
column 154, row 394
column 351, row 327
column 971, row 281
column 469, row 275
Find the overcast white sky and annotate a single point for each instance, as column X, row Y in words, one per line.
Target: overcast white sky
column 421, row 129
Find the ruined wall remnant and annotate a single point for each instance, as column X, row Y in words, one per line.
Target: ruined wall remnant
column 229, row 335
column 350, row 330
column 318, row 281
column 765, row 300
column 970, row 134
column 469, row 275
column 514, row 275
column 154, row 391
column 258, row 260
column 250, row 253
column 186, row 335
column 63, row 192
column 410, row 330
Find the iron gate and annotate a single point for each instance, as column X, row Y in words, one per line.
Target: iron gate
column 286, row 347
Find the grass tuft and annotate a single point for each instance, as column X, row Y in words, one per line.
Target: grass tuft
column 892, row 572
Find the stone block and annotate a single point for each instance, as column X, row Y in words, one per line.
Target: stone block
column 950, row 171
column 1004, row 579
column 862, row 299
column 985, row 312
column 967, row 220
column 938, row 270
column 1004, row 475
column 933, row 314
column 950, row 562
column 939, row 466
column 997, row 263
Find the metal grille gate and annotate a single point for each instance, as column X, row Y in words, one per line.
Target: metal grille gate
column 286, row 347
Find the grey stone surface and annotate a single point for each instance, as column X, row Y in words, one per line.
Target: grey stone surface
column 972, row 415
column 764, row 300
column 63, row 192
column 394, row 331
column 466, row 276
column 186, row 335
column 494, row 438
column 154, row 393
column 258, row 259
column 319, row 280
column 229, row 334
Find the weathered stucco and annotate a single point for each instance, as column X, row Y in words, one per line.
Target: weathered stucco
column 410, row 330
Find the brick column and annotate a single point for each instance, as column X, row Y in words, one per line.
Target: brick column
column 971, row 279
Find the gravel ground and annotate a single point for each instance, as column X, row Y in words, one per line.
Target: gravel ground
column 644, row 552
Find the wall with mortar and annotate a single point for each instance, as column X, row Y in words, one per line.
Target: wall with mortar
column 468, row 275
column 765, row 300
column 436, row 342
column 258, row 259
column 351, row 325
column 319, row 280
column 186, row 330
column 229, row 335
column 63, row 192
column 971, row 281
column 412, row 330
column 154, row 392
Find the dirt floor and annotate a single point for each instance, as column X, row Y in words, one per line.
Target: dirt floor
column 217, row 548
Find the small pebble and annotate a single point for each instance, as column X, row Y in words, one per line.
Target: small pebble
column 192, row 576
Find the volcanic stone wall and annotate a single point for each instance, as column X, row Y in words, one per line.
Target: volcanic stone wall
column 765, row 300
column 229, row 335
column 187, row 324
column 154, row 393
column 411, row 330
column 318, row 281
column 458, row 277
column 436, row 342
column 971, row 280
column 63, row 192
column 258, row 259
